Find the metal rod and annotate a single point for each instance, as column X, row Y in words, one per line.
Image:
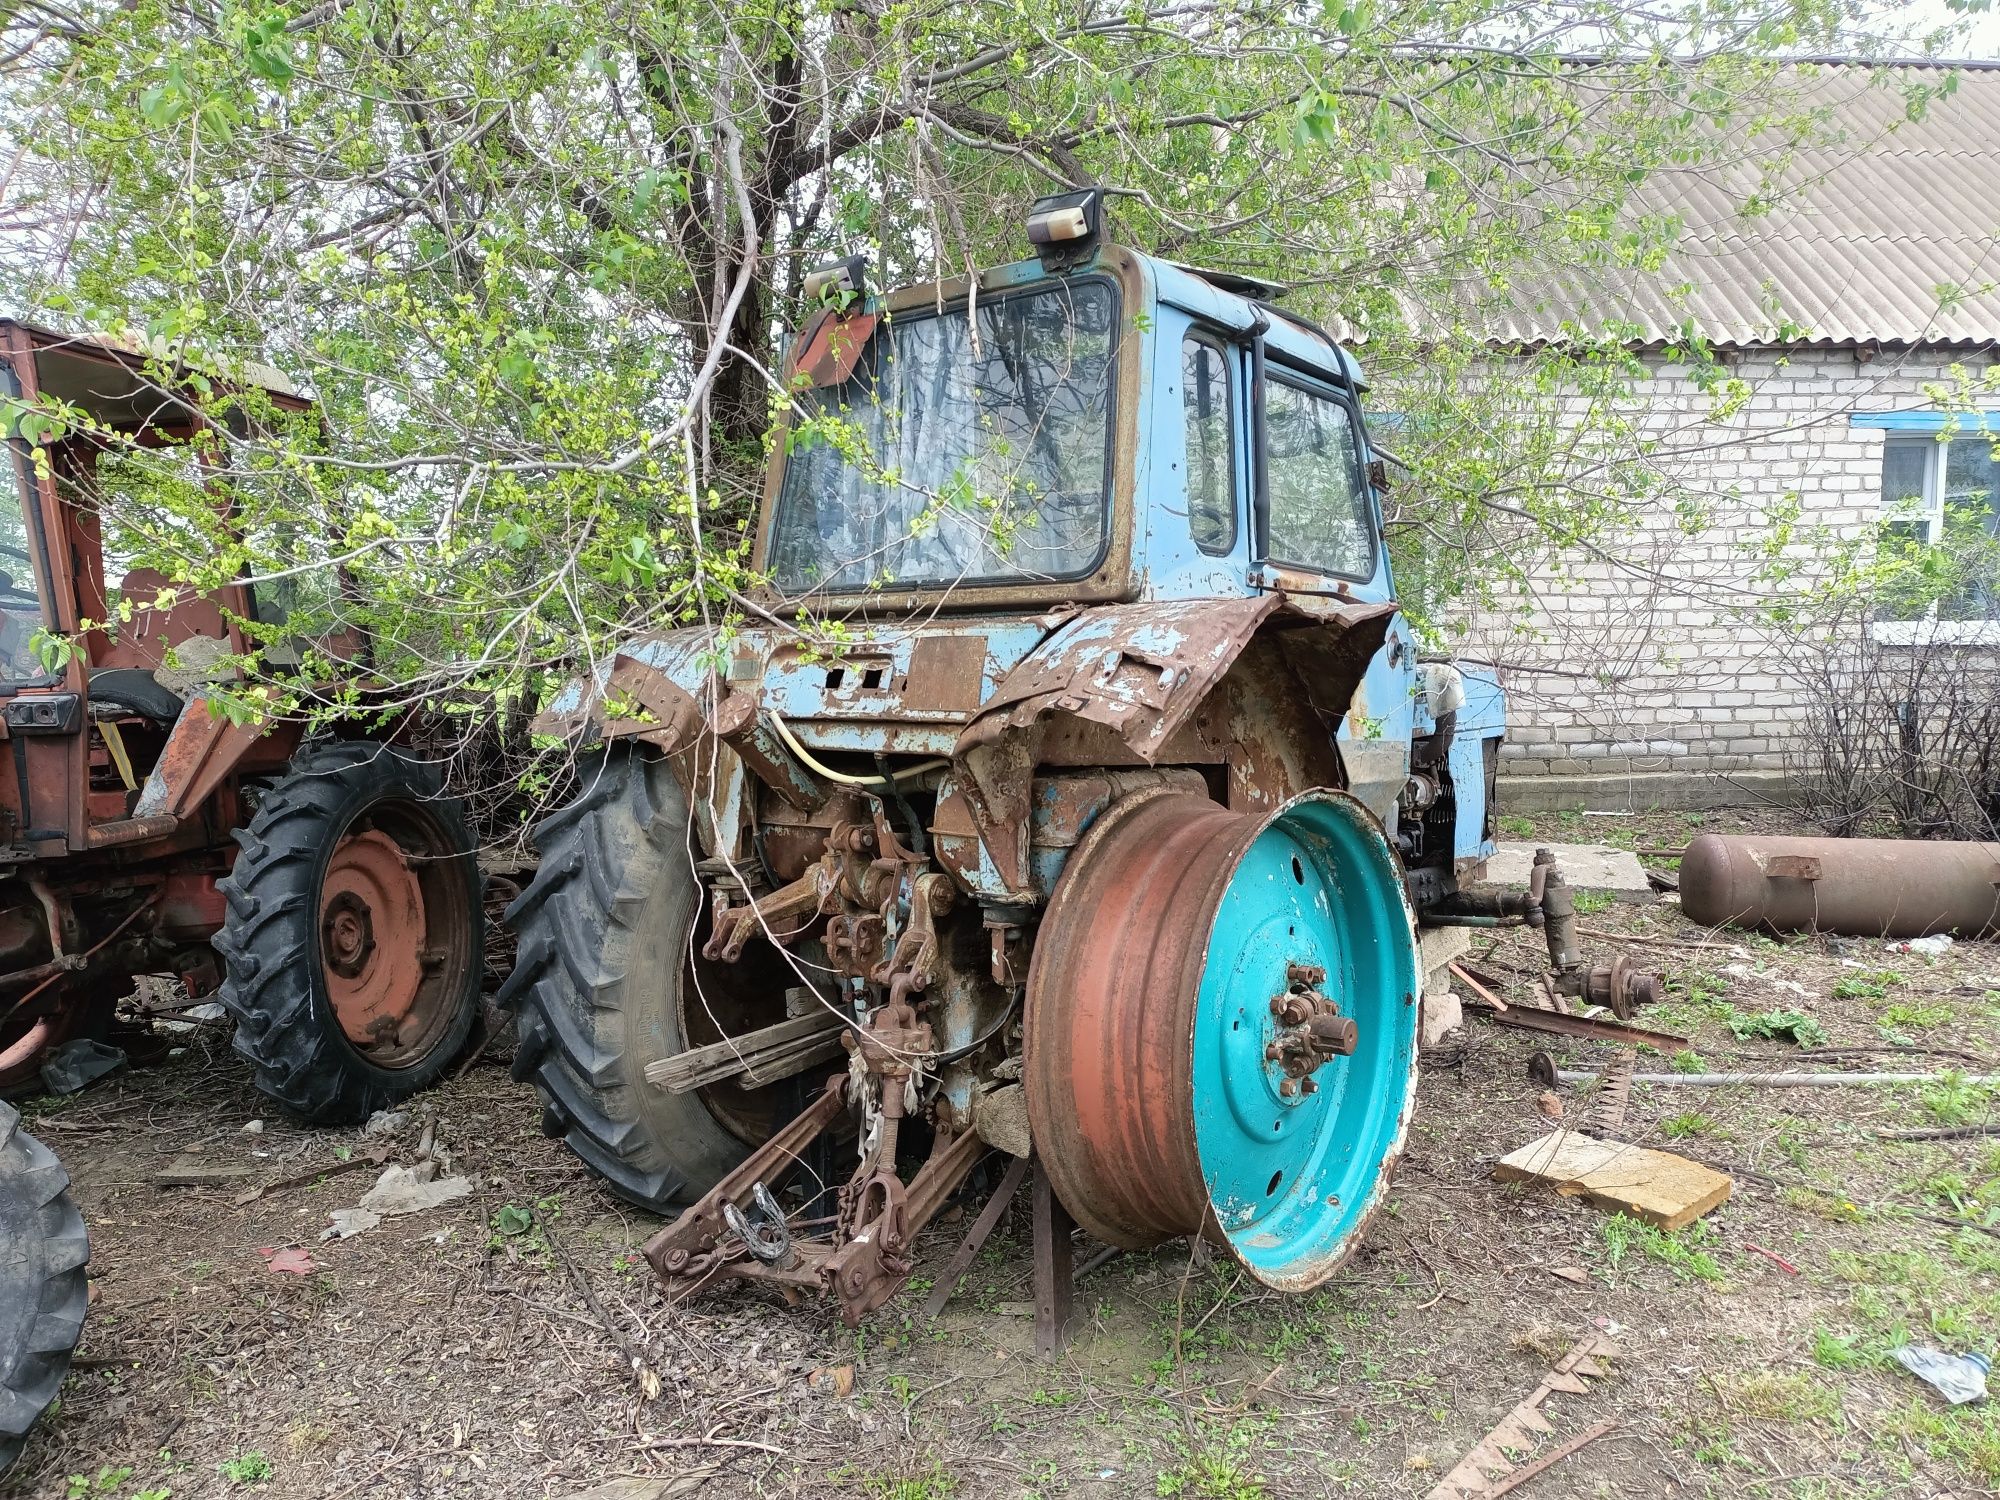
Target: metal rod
column 1784, row 1080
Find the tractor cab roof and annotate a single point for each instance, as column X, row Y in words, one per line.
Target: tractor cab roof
column 114, row 377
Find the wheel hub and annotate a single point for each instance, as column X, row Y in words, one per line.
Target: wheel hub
column 371, row 937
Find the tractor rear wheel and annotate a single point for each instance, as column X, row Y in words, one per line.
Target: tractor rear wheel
column 1220, row 1030
column 609, row 979
column 352, row 945
column 43, row 1294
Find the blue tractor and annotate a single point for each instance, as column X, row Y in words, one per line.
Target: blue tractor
column 1073, row 790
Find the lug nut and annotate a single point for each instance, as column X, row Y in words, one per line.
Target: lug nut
column 1287, row 1088
column 1272, row 1052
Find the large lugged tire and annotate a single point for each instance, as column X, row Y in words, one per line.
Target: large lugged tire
column 603, row 985
column 352, row 946
column 43, row 1252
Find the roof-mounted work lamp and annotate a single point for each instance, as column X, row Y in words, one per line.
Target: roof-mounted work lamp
column 1065, row 228
column 838, row 281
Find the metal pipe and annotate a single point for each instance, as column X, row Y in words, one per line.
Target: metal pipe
column 1782, row 1080
column 131, row 831
column 1896, row 888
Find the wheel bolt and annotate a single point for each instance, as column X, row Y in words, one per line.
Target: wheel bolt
column 1272, row 1052
column 1308, row 1086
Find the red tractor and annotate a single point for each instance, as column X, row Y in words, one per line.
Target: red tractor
column 145, row 831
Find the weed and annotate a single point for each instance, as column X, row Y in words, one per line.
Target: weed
column 1920, row 1017
column 1590, row 903
column 1952, row 1100
column 1820, row 1205
column 1836, row 1351
column 933, row 1484
column 1212, row 1470
column 1778, row 1025
column 246, row 1468
column 1681, row 1250
column 77, row 1487
column 1517, row 827
column 1699, row 986
column 1778, row 1395
column 1870, row 984
column 518, row 1230
column 1680, row 1127
column 1687, row 1061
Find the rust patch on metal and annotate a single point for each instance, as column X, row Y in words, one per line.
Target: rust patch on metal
column 830, row 346
column 201, row 751
column 945, row 673
column 1107, row 1071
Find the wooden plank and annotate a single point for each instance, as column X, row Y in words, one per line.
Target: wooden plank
column 700, row 1066
column 1656, row 1186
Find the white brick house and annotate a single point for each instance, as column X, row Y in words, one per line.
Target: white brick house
column 1884, row 271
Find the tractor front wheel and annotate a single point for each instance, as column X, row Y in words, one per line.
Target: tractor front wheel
column 43, row 1251
column 352, row 947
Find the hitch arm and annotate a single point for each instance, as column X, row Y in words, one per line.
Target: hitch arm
column 674, row 1250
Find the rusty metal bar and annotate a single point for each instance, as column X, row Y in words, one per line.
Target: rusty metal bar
column 131, row 831
column 976, row 1237
column 1529, row 1019
column 1055, row 1280
column 1896, row 888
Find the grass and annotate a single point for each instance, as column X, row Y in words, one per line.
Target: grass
column 1953, row 1100
column 1683, row 1251
column 1790, row 1396
column 934, row 1483
column 1689, row 1123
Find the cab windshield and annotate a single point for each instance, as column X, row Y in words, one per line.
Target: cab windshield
column 962, row 450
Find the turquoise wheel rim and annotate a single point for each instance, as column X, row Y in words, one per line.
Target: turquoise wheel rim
column 1293, row 1174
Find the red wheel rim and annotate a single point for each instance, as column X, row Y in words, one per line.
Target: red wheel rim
column 372, row 938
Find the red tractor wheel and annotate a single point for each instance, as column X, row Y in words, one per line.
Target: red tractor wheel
column 353, row 943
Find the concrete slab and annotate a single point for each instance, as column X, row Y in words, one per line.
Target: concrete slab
column 1590, row 867
column 1438, row 946
column 1441, row 1014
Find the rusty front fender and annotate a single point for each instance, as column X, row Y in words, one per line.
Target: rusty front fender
column 1141, row 671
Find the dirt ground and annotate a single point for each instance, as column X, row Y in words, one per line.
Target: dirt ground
column 483, row 1348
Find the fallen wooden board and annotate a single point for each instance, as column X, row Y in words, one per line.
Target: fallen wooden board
column 1656, row 1186
column 762, row 1052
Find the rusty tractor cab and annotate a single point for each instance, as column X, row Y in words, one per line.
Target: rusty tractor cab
column 1096, row 829
column 143, row 833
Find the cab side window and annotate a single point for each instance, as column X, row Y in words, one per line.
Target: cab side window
column 1211, row 465
column 1320, row 516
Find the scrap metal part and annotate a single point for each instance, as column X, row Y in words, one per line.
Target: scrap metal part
column 1484, row 1471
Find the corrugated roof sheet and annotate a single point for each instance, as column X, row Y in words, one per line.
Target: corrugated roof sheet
column 1871, row 230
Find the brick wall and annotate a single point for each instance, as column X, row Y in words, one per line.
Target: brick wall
column 1674, row 673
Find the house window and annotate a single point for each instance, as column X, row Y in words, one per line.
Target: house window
column 1943, row 494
